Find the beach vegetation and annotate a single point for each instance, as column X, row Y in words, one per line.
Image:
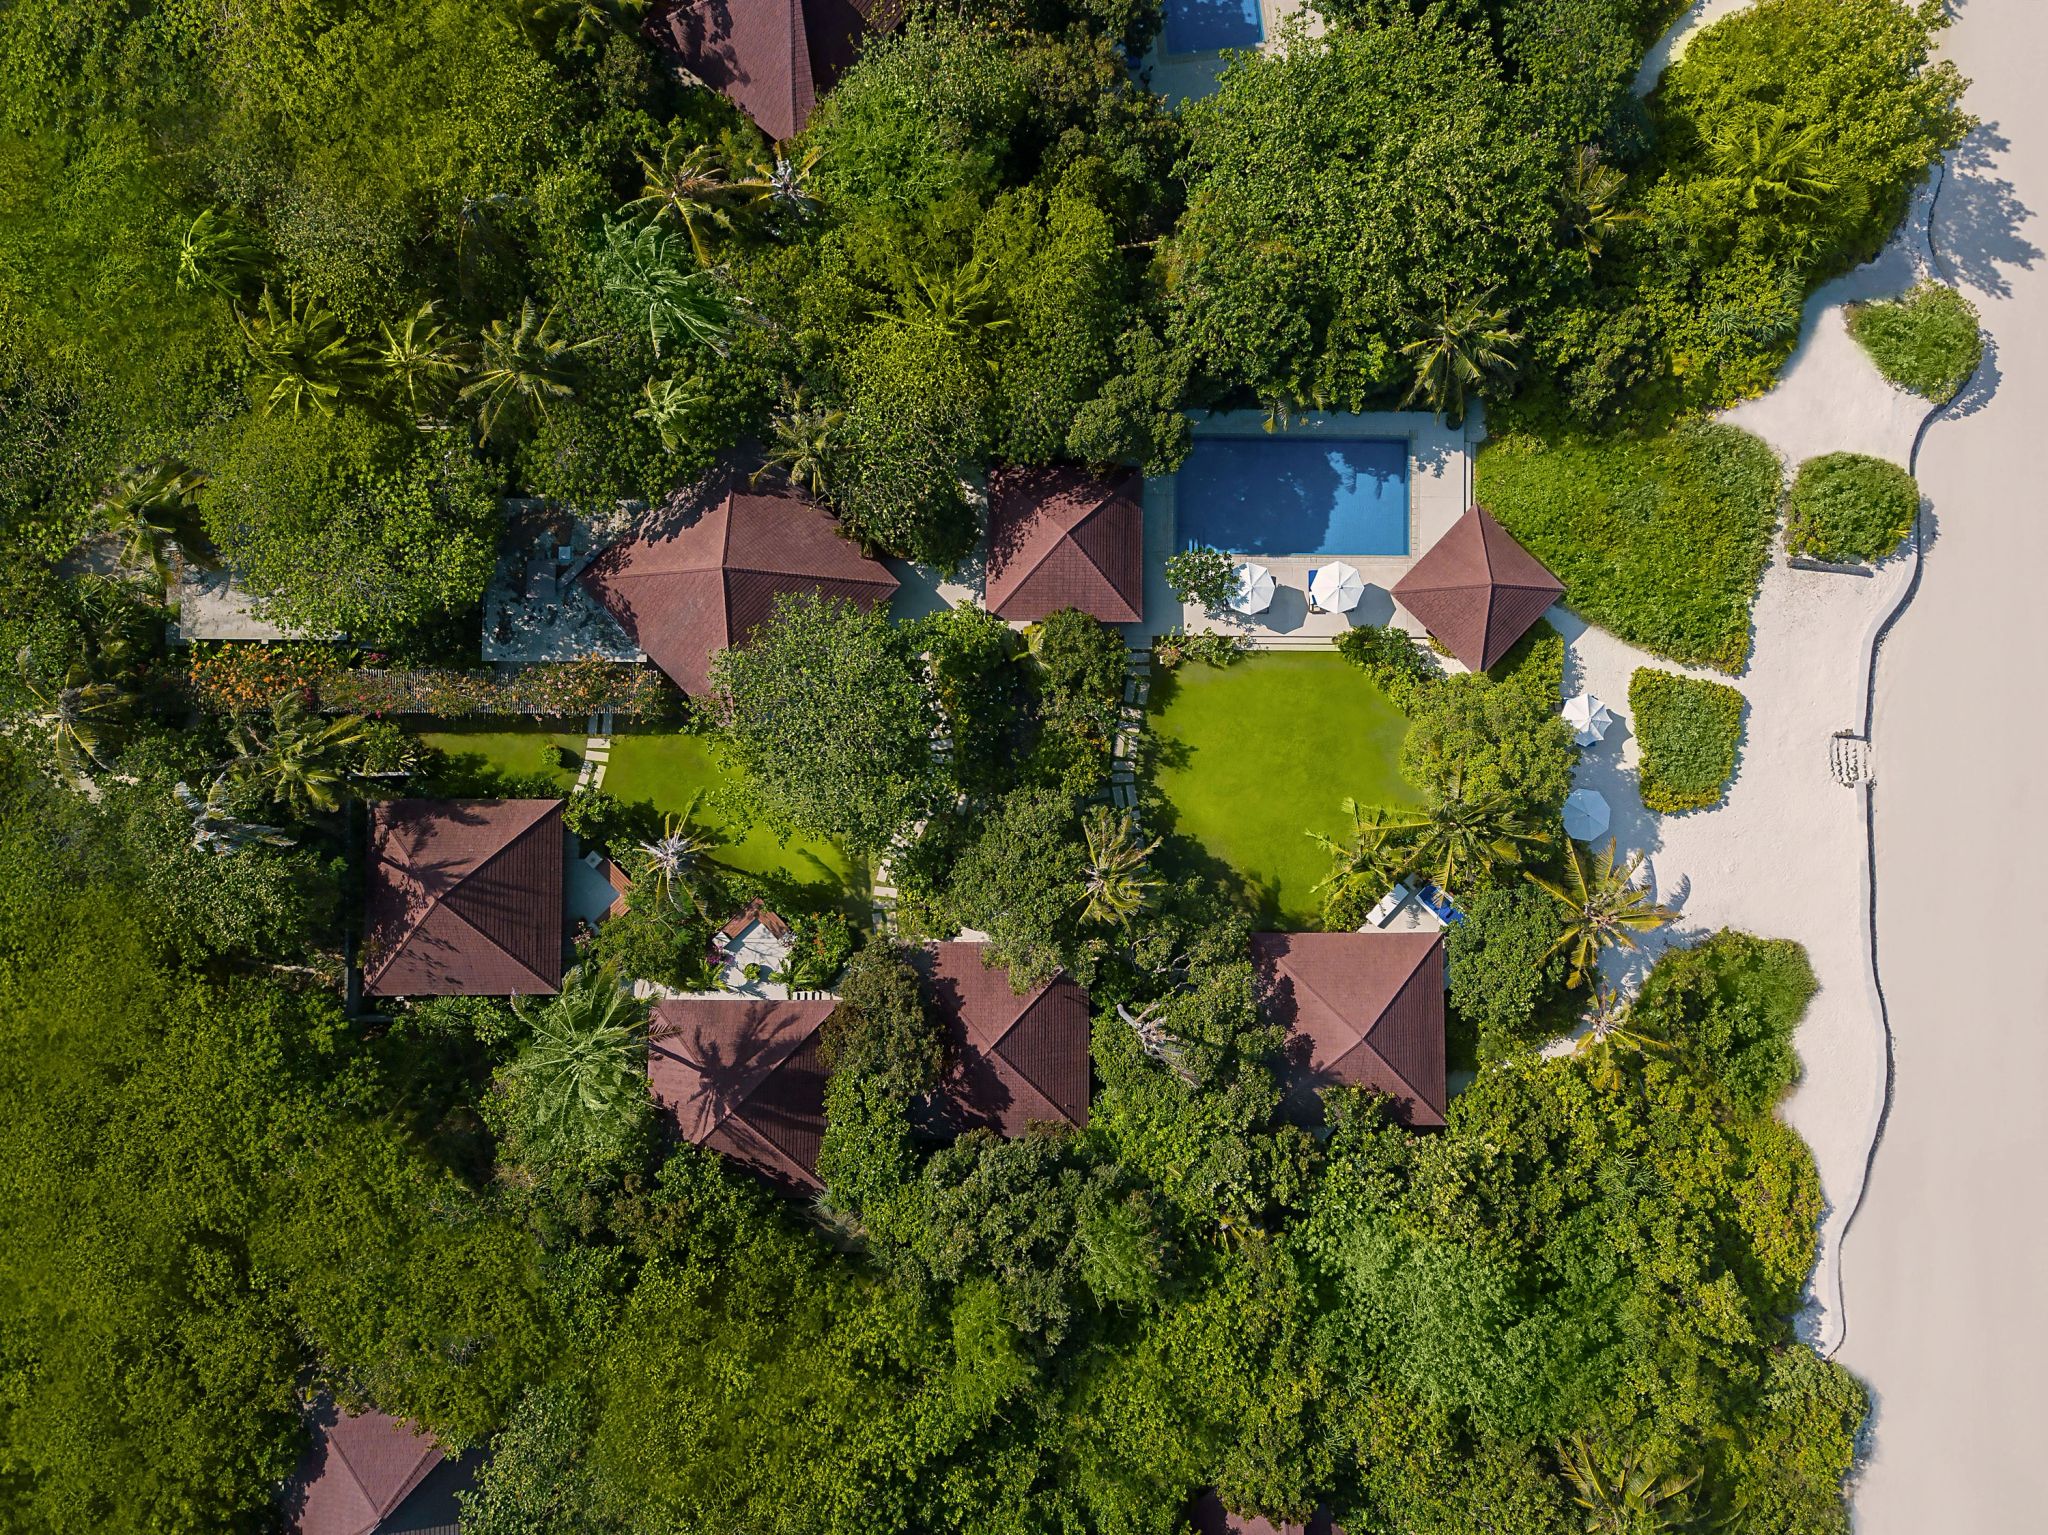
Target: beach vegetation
column 1690, row 734
column 1850, row 506
column 1927, row 340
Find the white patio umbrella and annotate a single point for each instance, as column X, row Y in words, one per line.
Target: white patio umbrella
column 1255, row 588
column 1586, row 814
column 1336, row 588
column 1588, row 717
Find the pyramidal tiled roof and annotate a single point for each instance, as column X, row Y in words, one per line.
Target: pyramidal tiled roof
column 1012, row 1060
column 743, row 1077
column 464, row 898
column 1059, row 537
column 357, row 1471
column 771, row 58
column 699, row 575
column 1477, row 590
column 1360, row 1009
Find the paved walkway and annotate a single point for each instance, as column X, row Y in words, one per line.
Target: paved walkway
column 1945, row 1264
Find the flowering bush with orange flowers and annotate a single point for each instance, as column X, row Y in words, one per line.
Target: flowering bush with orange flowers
column 228, row 675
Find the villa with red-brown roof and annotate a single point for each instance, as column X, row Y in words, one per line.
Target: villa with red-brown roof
column 1210, row 1517
column 744, row 1078
column 1011, row 1061
column 465, row 898
column 1360, row 1010
column 1061, row 537
column 369, row 1473
column 1477, row 590
column 772, row 59
column 698, row 576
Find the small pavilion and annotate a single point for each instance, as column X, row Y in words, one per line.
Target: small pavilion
column 1477, row 590
column 745, row 1078
column 698, row 575
column 1060, row 537
column 1360, row 1010
column 369, row 1473
column 772, row 59
column 1011, row 1060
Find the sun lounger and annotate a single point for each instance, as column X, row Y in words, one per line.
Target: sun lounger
column 1439, row 903
column 1390, row 903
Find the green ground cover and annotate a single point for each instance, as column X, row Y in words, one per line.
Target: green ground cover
column 1691, row 733
column 1850, row 506
column 1250, row 757
column 665, row 769
column 1660, row 540
column 1927, row 340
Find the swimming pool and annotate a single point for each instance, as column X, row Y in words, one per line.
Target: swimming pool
column 1294, row 495
column 1203, row 26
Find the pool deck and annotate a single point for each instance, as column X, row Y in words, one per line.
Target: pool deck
column 1439, row 490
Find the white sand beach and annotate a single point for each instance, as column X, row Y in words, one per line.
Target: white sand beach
column 1944, row 1265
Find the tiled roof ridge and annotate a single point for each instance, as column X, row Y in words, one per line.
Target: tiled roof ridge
column 1032, row 1000
column 728, row 1112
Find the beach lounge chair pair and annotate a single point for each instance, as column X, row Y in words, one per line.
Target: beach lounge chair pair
column 1439, row 903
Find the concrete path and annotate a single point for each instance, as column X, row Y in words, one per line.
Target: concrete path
column 1945, row 1264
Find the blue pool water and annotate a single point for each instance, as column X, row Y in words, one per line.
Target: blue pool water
column 1294, row 495
column 1203, row 26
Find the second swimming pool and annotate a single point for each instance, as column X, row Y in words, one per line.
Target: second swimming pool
column 1294, row 495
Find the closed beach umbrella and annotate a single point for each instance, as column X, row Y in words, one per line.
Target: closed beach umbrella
column 1337, row 587
column 1254, row 592
column 1588, row 717
column 1586, row 814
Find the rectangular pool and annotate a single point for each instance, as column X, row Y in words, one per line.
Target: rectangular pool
column 1204, row 26
column 1294, row 495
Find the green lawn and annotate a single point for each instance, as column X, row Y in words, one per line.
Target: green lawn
column 1250, row 757
column 667, row 768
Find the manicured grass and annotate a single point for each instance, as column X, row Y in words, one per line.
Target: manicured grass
column 1850, row 506
column 1927, row 341
column 666, row 769
column 1690, row 732
column 1250, row 757
column 1660, row 540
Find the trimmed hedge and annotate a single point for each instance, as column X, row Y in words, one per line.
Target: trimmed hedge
column 1689, row 732
column 1850, row 506
column 1927, row 340
column 1661, row 541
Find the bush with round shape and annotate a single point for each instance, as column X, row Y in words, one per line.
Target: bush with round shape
column 1849, row 506
column 1927, row 340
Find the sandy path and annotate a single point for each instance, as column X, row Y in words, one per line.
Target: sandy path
column 1948, row 1313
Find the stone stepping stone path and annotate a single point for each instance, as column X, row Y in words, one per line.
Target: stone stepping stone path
column 597, row 751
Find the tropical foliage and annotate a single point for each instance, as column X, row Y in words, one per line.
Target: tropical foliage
column 1926, row 340
column 1850, row 506
column 1690, row 734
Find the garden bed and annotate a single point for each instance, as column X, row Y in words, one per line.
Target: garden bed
column 1249, row 758
column 1690, row 733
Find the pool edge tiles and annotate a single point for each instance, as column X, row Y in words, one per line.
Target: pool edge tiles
column 1320, row 496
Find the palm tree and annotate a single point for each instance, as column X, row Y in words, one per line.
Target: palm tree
column 302, row 762
column 1613, row 1029
column 582, row 1063
column 1776, row 162
column 83, row 716
column 1460, row 833
column 678, row 866
column 1592, row 194
column 144, row 506
column 215, row 828
column 523, row 366
column 669, row 404
column 1118, row 885
column 785, row 185
column 959, row 307
column 216, row 255
column 422, row 362
column 1623, row 1495
column 305, row 359
column 1603, row 907
column 1459, row 351
column 643, row 271
column 1368, row 860
column 802, row 444
column 690, row 190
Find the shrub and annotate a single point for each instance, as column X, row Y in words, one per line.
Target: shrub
column 1926, row 341
column 1731, row 1005
column 1850, row 506
column 1661, row 540
column 1204, row 575
column 225, row 676
column 1211, row 647
column 1391, row 658
column 1690, row 732
column 566, row 688
column 1503, row 966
